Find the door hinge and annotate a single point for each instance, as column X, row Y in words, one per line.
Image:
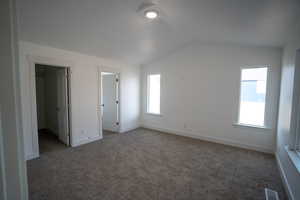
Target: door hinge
column 68, row 75
column 117, row 123
column 117, row 80
column 117, row 102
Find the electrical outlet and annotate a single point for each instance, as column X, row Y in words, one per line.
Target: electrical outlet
column 184, row 126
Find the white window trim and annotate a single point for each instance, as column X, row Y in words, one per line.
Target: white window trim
column 147, row 96
column 251, row 126
column 294, row 157
column 154, row 114
column 295, row 124
column 293, row 149
column 237, row 123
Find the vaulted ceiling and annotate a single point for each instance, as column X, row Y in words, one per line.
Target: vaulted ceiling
column 115, row 29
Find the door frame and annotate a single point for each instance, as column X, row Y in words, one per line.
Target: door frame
column 33, row 61
column 119, row 112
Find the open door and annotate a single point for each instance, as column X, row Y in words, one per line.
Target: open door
column 110, row 102
column 63, row 106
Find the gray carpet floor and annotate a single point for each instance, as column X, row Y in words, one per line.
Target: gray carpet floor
column 49, row 142
column 150, row 165
column 108, row 133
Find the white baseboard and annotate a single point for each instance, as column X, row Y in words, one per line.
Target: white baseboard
column 212, row 139
column 129, row 129
column 85, row 141
column 284, row 179
column 31, row 156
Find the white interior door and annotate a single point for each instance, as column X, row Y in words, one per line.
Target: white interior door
column 110, row 102
column 62, row 102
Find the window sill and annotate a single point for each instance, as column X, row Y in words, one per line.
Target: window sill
column 154, row 114
column 294, row 157
column 251, row 126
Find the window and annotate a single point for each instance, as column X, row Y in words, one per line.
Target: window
column 153, row 94
column 253, row 96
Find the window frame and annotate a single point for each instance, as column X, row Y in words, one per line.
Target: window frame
column 295, row 130
column 264, row 126
column 148, row 95
column 293, row 147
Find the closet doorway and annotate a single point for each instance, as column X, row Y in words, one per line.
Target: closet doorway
column 52, row 105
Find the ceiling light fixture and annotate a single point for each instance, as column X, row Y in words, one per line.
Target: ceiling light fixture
column 151, row 14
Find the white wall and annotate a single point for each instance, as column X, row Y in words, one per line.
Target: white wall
column 200, row 94
column 84, row 93
column 290, row 173
column 110, row 109
column 129, row 99
column 13, row 176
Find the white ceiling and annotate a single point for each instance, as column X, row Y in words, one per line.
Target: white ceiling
column 114, row 29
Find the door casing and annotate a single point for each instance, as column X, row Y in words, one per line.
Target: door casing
column 34, row 60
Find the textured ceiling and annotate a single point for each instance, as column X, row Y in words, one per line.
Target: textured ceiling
column 114, row 29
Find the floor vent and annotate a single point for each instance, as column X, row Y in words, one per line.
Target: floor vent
column 271, row 194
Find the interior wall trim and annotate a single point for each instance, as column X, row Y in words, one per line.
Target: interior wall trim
column 85, row 141
column 284, row 179
column 211, row 139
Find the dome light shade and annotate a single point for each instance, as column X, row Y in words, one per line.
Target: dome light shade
column 151, row 14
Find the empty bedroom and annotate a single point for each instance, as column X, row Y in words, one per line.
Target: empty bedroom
column 150, row 100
